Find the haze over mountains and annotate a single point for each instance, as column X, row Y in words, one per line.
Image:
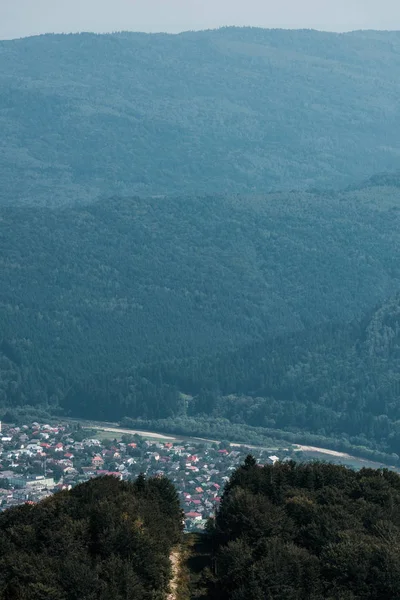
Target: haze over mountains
column 167, row 200
column 232, row 110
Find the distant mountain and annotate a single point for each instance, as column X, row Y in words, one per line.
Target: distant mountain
column 233, row 110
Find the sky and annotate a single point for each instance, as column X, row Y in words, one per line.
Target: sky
column 20, row 18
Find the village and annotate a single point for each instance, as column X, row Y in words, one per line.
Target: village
column 37, row 460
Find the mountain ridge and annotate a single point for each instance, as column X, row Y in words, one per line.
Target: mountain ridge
column 224, row 111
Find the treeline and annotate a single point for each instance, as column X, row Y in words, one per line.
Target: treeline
column 103, row 539
column 306, row 532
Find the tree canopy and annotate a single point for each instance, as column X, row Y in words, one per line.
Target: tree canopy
column 307, row 532
column 103, row 539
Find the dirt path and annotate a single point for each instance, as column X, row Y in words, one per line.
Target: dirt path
column 174, row 558
column 148, row 434
column 300, row 448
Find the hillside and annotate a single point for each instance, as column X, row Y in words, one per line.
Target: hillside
column 233, row 110
column 305, row 532
column 110, row 285
column 103, row 539
column 336, row 385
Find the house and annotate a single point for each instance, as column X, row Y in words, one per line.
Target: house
column 70, row 471
column 91, row 442
column 273, row 459
column 88, row 470
column 194, row 515
column 97, row 461
column 34, row 447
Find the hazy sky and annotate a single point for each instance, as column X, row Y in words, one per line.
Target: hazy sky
column 28, row 17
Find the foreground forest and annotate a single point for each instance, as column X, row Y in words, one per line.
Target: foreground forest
column 288, row 531
column 306, row 532
column 229, row 111
column 277, row 312
column 103, row 540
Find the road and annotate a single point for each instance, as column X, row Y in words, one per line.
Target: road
column 147, row 434
column 299, row 448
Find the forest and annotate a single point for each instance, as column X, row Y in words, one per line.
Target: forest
column 235, row 110
column 103, row 539
column 191, row 239
column 288, row 531
column 335, row 385
column 305, row 532
column 264, row 316
column 191, row 242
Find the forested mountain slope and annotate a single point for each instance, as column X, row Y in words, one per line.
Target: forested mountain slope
column 232, row 110
column 341, row 383
column 306, row 532
column 103, row 539
column 104, row 287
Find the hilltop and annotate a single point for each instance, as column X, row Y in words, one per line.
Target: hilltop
column 228, row 111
